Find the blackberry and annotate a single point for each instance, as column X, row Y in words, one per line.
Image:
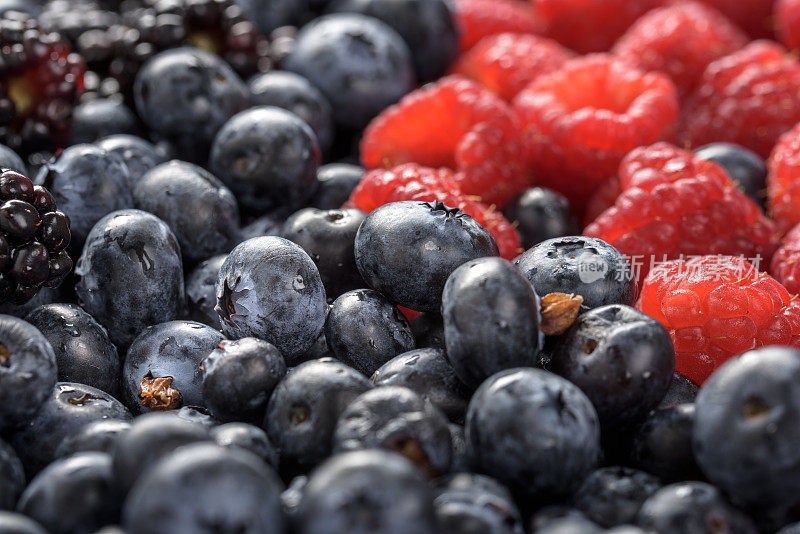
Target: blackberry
column 33, row 236
column 40, row 81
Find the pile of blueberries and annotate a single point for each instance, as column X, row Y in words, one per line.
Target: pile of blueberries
column 235, row 353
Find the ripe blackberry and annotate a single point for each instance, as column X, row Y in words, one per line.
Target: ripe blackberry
column 40, row 80
column 33, row 239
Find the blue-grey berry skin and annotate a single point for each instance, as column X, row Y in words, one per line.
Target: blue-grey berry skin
column 294, row 93
column 248, row 437
column 13, row 523
column 186, row 95
column 174, row 349
column 199, row 209
column 541, row 214
column 746, row 429
column 681, row 391
column 27, row 371
column 269, row 288
column 66, row 411
column 266, row 225
column 74, row 494
column 662, row 444
column 201, row 291
column 239, row 377
column 364, row 330
column 305, row 406
column 268, row 157
column 407, row 250
column 364, row 492
column 138, row 155
column 130, row 274
column 272, row 14
column 97, row 436
column 491, row 319
column 98, row 118
column 12, row 478
column 206, row 488
column 611, row 496
column 10, row 160
column 427, row 26
column 84, row 352
column 586, row 266
column 87, row 183
column 533, row 431
column 467, row 503
column 396, row 419
column 336, row 182
column 359, row 63
column 427, row 372
column 621, row 358
column 744, row 166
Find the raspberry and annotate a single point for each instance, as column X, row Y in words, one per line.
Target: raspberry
column 754, row 16
column 680, row 40
column 783, row 180
column 749, row 97
column 716, row 307
column 580, row 121
column 785, row 265
column 507, row 62
column 673, row 203
column 454, row 123
column 602, row 199
column 589, row 25
column 787, row 22
column 477, row 19
column 415, row 182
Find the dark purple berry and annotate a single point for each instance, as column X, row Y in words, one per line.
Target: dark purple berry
column 43, row 200
column 14, row 185
column 54, row 231
column 19, row 220
column 30, row 265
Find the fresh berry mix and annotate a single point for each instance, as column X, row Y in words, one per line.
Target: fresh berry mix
column 579, row 121
column 331, row 278
column 716, row 307
column 680, row 40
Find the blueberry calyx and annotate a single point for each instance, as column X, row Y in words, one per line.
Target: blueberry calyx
column 5, row 355
column 230, row 296
column 559, row 311
column 80, row 401
column 449, row 212
column 413, row 451
column 158, row 394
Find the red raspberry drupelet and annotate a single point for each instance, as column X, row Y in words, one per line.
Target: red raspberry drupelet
column 783, row 180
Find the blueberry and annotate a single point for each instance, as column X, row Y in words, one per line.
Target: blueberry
column 198, row 208
column 268, row 157
column 201, row 291
column 399, row 420
column 475, row 504
column 304, row 408
column 97, row 436
column 746, row 427
column 460, row 463
column 359, row 63
column 794, row 528
column 248, row 437
column 428, row 329
column 662, row 445
column 130, row 274
column 364, row 492
column 365, row 331
column 427, row 26
column 84, row 352
column 612, row 496
column 27, row 371
column 336, row 182
column 406, row 250
column 138, row 155
column 586, row 266
column 294, row 93
column 681, row 391
column 266, row 225
column 541, row 214
column 694, row 507
column 329, row 238
column 12, row 478
column 150, row 438
column 195, row 414
column 162, row 370
column 491, row 319
column 239, row 377
column 272, row 14
column 74, row 494
column 87, row 183
column 744, row 166
column 622, row 359
column 66, row 411
column 11, row 523
column 429, row 374
column 269, row 288
column 533, row 431
column 101, row 117
column 205, row 488
column 562, row 519
column 10, row 160
column 185, row 95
